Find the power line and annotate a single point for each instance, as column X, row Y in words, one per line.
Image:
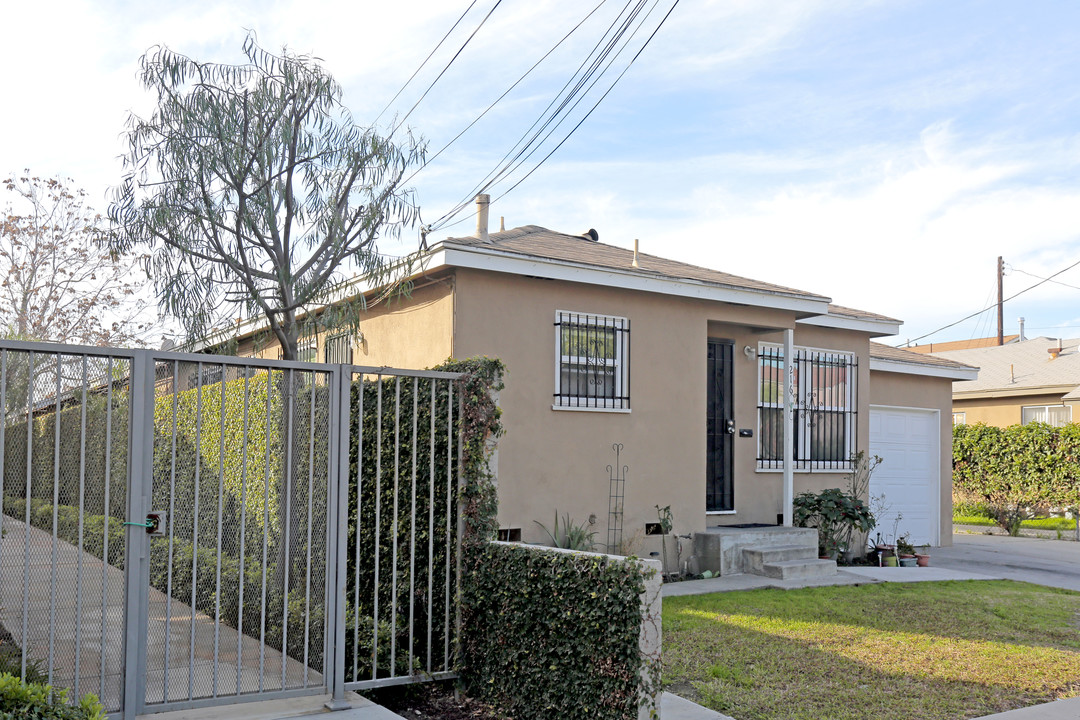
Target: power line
column 505, row 93
column 417, row 71
column 525, row 141
column 443, row 72
column 1056, row 282
column 590, row 112
column 974, row 314
column 584, row 79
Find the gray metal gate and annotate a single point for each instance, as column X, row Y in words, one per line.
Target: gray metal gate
column 191, row 530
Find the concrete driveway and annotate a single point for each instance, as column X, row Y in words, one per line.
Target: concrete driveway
column 1046, row 562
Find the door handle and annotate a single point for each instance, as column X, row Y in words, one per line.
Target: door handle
column 730, row 427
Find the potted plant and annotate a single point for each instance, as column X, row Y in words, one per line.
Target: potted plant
column 922, row 556
column 906, row 551
column 839, row 516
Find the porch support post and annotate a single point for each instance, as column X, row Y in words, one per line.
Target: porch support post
column 789, row 425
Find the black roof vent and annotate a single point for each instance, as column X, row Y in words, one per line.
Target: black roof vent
column 591, row 234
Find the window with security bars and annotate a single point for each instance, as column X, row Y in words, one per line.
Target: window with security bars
column 338, row 349
column 1053, row 415
column 306, row 350
column 592, row 361
column 825, row 422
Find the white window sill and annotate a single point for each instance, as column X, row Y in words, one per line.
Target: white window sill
column 721, row 512
column 804, row 470
column 572, row 408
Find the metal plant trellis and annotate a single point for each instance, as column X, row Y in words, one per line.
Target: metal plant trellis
column 616, row 494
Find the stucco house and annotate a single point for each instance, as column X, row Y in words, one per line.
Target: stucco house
column 1036, row 380
column 681, row 365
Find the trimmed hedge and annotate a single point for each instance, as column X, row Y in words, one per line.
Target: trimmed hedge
column 1014, row 471
column 554, row 634
column 31, row 701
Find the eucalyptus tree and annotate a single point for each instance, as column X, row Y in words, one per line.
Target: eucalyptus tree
column 254, row 192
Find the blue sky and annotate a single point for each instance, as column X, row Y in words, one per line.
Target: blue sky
column 881, row 153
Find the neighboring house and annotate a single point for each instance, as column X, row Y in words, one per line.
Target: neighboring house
column 1020, row 382
column 681, row 365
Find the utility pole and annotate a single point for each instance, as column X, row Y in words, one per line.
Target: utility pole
column 1000, row 302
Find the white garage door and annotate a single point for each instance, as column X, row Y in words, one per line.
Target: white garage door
column 908, row 441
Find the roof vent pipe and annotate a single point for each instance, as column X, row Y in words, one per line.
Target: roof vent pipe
column 1022, row 338
column 635, row 263
column 482, row 202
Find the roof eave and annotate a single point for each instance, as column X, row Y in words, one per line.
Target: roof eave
column 1014, row 391
column 923, row 370
column 876, row 328
column 448, row 253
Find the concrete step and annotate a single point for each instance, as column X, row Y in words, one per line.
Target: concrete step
column 756, row 558
column 799, row 569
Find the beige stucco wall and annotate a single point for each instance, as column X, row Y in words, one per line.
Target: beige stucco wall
column 1001, row 411
column 927, row 393
column 414, row 331
column 557, row 459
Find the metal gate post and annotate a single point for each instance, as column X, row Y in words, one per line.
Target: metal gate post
column 136, row 565
column 338, row 520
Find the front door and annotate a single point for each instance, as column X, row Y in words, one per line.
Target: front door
column 720, row 428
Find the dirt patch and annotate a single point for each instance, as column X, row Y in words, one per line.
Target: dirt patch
column 433, row 701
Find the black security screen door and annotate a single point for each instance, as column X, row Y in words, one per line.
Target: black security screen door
column 720, row 427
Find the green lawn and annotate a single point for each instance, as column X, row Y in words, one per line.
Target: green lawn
column 933, row 651
column 1054, row 523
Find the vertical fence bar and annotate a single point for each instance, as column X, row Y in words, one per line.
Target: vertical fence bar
column 394, row 528
column 82, row 513
column 195, row 526
column 310, row 507
column 460, row 536
column 337, row 511
column 3, row 427
column 136, row 568
column 108, row 515
column 243, row 530
column 431, row 522
column 30, row 382
column 449, row 514
column 220, row 527
column 266, row 532
column 359, row 523
column 171, row 525
column 412, row 523
column 55, row 519
column 378, row 525
column 290, row 389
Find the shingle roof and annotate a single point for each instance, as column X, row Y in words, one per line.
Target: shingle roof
column 1021, row 365
column 885, row 352
column 536, row 241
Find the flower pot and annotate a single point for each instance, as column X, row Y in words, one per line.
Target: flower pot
column 890, row 561
column 908, row 561
column 922, row 560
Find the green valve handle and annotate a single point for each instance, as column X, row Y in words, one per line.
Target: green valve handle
column 154, row 523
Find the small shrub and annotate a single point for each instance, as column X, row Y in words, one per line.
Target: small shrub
column 572, row 537
column 35, row 701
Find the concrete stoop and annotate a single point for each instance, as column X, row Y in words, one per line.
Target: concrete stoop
column 787, row 562
column 775, row 552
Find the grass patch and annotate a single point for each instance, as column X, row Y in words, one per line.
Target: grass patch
column 924, row 651
column 1054, row 523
